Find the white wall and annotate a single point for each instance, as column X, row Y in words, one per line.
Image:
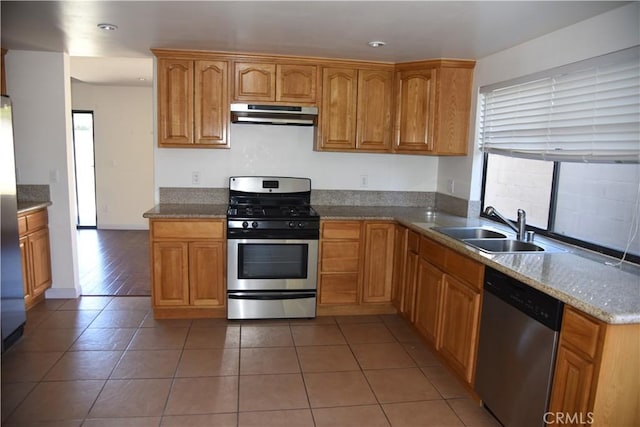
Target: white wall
column 123, row 132
column 39, row 86
column 288, row 151
column 605, row 33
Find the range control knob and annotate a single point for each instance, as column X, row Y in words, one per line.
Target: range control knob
column 254, row 224
column 300, row 224
column 292, row 224
column 245, row 224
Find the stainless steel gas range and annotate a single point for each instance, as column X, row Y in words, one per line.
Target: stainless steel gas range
column 272, row 257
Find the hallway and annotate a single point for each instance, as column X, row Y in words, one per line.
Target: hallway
column 114, row 262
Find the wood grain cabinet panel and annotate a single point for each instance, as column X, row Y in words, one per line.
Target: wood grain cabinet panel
column 35, row 251
column 211, row 103
column 254, row 82
column 428, row 310
column 175, row 102
column 206, row 273
column 378, row 262
column 296, row 83
column 339, row 105
column 373, row 119
column 411, row 276
column 170, row 273
column 415, row 107
column 339, row 288
column 340, row 256
column 573, row 378
column 399, row 266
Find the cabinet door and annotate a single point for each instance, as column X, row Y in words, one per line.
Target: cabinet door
column 211, row 103
column 409, row 297
column 206, row 273
column 26, row 270
column 571, row 383
column 254, row 82
column 338, row 288
column 378, row 258
column 415, row 109
column 375, row 89
column 428, row 301
column 338, row 115
column 175, row 102
column 450, row 136
column 40, row 254
column 340, row 256
column 170, row 273
column 296, row 83
column 399, row 266
column 459, row 330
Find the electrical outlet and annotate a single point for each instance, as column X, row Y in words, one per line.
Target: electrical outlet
column 195, row 177
column 364, row 181
column 451, row 185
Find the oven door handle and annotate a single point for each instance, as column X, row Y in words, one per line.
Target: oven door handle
column 266, row 296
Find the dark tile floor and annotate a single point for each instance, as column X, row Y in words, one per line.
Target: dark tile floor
column 114, row 262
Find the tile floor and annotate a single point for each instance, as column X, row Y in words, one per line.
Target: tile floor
column 104, row 361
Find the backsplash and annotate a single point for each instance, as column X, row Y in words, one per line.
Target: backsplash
column 33, row 193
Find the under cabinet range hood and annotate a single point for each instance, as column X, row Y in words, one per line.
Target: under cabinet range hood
column 274, row 114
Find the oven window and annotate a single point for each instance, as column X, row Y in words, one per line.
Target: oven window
column 272, row 261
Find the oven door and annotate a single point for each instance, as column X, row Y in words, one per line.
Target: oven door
column 272, row 265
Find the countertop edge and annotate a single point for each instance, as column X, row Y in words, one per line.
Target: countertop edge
column 26, row 207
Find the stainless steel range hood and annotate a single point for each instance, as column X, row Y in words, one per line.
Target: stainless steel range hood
column 274, row 114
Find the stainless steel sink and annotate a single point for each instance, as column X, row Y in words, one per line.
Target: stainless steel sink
column 503, row 245
column 463, row 233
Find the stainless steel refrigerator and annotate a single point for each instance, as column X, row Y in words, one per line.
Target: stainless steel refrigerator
column 12, row 291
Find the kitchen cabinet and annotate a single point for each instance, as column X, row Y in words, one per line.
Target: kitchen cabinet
column 433, row 103
column 188, row 260
column 270, row 82
column 407, row 309
column 35, row 249
column 399, row 266
column 356, row 110
column 193, row 103
column 356, row 267
column 447, row 310
column 596, row 366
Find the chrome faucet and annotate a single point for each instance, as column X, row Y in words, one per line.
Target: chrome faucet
column 520, row 227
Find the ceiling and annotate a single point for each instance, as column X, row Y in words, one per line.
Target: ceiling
column 412, row 30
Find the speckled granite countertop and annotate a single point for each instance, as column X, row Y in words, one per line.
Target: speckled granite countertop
column 577, row 277
column 26, row 207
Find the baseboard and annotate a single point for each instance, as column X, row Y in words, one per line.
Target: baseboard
column 62, row 293
column 123, row 226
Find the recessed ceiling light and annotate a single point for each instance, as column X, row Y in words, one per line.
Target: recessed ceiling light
column 376, row 43
column 107, row 27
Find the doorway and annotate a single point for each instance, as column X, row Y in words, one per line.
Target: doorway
column 84, row 162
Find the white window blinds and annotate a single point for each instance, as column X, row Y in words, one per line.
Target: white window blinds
column 585, row 112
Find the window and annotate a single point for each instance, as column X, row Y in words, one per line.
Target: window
column 564, row 145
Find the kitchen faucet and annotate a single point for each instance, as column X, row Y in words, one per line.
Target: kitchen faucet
column 520, row 227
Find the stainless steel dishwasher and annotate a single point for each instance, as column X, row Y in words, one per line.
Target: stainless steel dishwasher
column 519, row 332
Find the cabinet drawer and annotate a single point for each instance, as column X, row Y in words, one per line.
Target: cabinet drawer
column 340, row 256
column 341, row 230
column 581, row 332
column 432, row 252
column 187, row 229
column 338, row 288
column 36, row 220
column 464, row 268
column 413, row 241
column 22, row 225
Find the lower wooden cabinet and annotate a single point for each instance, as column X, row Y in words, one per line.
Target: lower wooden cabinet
column 597, row 373
column 399, row 266
column 188, row 268
column 428, row 307
column 407, row 310
column 379, row 240
column 36, row 255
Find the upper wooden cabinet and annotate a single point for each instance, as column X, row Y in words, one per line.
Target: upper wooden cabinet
column 433, row 105
column 193, row 103
column 267, row 82
column 356, row 110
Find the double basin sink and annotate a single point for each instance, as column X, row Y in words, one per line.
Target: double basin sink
column 492, row 241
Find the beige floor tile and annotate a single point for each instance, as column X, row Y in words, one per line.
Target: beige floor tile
column 35, row 318
column 272, row 360
column 266, row 336
column 147, row 364
column 11, row 395
column 432, row 413
column 291, row 418
column 401, row 385
column 272, row 392
column 123, row 422
column 213, row 323
column 69, row 319
column 360, row 333
column 131, row 398
column 209, row 362
column 25, row 367
column 382, row 356
column 330, row 389
column 320, row 320
column 203, row 396
column 84, row 365
column 443, row 380
column 472, row 413
column 159, row 339
column 421, row 354
column 403, row 332
column 370, row 416
column 208, row 420
column 119, row 318
column 317, row 335
column 60, row 423
column 151, row 322
column 358, row 319
column 60, row 400
column 104, row 339
column 47, row 340
column 329, row 358
column 213, row 337
column 130, row 303
column 86, row 303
